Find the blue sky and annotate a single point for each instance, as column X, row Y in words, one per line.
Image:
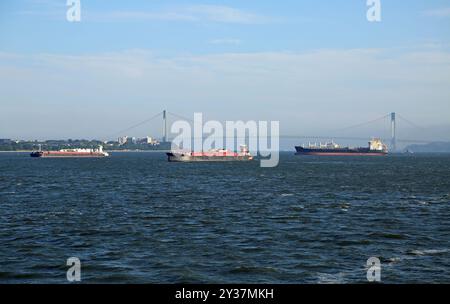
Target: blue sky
column 292, row 61
column 247, row 26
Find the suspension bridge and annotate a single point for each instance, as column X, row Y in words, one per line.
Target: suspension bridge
column 389, row 122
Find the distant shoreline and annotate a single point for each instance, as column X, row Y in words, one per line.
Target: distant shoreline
column 137, row 151
column 110, row 151
column 166, row 151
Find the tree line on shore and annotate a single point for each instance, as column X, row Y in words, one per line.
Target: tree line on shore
column 56, row 145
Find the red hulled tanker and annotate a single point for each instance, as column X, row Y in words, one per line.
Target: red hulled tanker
column 65, row 153
column 214, row 155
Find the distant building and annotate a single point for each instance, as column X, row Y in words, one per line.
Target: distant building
column 5, row 141
column 123, row 140
column 147, row 141
column 131, row 140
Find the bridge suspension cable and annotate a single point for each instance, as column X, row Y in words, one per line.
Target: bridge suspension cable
column 180, row 117
column 410, row 122
column 122, row 132
column 363, row 123
column 137, row 125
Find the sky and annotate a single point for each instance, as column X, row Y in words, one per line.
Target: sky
column 315, row 66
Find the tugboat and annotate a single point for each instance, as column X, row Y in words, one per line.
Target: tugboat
column 375, row 148
column 65, row 153
column 214, row 155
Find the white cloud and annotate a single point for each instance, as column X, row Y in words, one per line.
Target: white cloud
column 441, row 12
column 225, row 41
column 49, row 9
column 138, row 16
column 195, row 13
column 220, row 13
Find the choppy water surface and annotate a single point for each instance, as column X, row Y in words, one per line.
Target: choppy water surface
column 134, row 217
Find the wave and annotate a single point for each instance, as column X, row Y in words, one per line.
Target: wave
column 428, row 252
column 414, row 254
column 326, row 278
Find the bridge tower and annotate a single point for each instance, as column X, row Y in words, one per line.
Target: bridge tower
column 393, row 133
column 164, row 126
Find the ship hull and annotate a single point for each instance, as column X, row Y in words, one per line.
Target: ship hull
column 339, row 152
column 66, row 155
column 173, row 157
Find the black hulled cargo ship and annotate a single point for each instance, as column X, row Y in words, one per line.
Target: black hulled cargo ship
column 375, row 148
